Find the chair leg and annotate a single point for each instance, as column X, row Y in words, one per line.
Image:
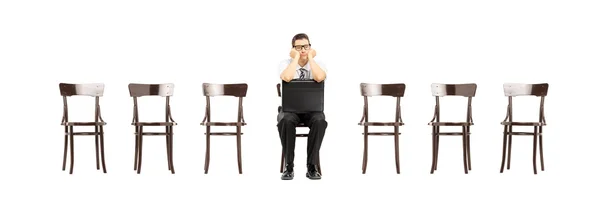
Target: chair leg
column 469, row 150
column 433, row 150
column 170, row 152
column 509, row 148
column 239, row 150
column 72, row 149
column 365, row 152
column 503, row 150
column 137, row 142
column 465, row 151
column 437, row 150
column 535, row 137
column 397, row 154
column 96, row 143
column 207, row 156
column 541, row 152
column 140, row 140
column 282, row 158
column 102, row 150
column 65, row 152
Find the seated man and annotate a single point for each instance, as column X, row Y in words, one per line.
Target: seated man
column 301, row 65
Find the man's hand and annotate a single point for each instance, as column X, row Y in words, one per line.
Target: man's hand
column 294, row 53
column 312, row 53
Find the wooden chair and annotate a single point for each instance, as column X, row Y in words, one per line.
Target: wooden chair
column 302, row 125
column 515, row 89
column 441, row 90
column 95, row 90
column 393, row 90
column 163, row 90
column 235, row 90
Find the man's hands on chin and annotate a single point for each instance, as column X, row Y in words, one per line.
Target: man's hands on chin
column 312, row 53
column 288, row 74
column 294, row 54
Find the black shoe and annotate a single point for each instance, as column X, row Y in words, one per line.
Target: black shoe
column 288, row 174
column 312, row 172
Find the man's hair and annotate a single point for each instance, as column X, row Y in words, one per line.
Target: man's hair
column 300, row 36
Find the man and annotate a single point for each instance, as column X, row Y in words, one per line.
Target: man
column 301, row 65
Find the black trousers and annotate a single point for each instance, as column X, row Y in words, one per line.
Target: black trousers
column 287, row 133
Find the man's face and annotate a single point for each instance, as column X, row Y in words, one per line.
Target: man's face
column 302, row 46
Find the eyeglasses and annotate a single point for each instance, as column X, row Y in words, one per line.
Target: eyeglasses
column 299, row 47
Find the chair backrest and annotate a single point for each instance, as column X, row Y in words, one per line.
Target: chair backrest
column 279, row 89
column 137, row 90
column 520, row 89
column 236, row 90
column 279, row 95
column 466, row 90
column 84, row 89
column 95, row 90
column 394, row 90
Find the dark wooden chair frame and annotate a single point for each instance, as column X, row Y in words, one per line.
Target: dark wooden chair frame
column 95, row 90
column 516, row 89
column 164, row 90
column 395, row 90
column 300, row 125
column 238, row 90
column 440, row 90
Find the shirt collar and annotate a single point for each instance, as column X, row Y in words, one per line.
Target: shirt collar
column 307, row 67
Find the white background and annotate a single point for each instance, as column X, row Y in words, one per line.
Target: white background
column 43, row 43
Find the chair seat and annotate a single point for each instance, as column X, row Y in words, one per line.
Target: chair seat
column 153, row 133
column 83, row 123
column 381, row 123
column 223, row 123
column 523, row 123
column 84, row 133
column 522, row 133
column 382, row 133
column 224, row 133
column 154, row 124
column 453, row 133
column 300, row 124
column 450, row 124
